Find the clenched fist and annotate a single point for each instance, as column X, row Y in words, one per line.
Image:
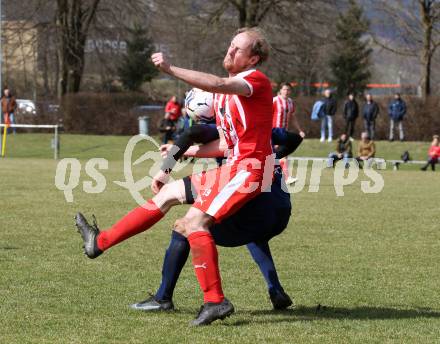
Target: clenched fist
column 161, row 62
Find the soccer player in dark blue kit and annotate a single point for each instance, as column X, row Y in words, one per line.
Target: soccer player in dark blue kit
column 254, row 225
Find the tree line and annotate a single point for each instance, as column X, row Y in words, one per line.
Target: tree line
column 312, row 40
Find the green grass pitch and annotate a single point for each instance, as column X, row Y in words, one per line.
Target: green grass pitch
column 371, row 261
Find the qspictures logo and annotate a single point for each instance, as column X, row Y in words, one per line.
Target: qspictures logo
column 345, row 173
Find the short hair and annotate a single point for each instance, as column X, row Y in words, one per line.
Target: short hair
column 435, row 137
column 285, row 84
column 260, row 47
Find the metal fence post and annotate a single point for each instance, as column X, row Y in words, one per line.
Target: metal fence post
column 56, row 144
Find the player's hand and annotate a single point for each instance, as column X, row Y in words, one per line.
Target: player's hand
column 161, row 62
column 302, row 134
column 159, row 180
column 164, row 149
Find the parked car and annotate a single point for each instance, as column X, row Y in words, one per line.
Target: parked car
column 26, row 107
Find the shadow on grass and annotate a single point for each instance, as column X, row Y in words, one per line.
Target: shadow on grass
column 316, row 313
column 7, row 247
column 87, row 149
column 303, row 313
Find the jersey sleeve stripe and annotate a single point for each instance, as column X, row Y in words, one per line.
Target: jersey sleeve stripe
column 243, row 75
column 241, row 111
column 279, row 113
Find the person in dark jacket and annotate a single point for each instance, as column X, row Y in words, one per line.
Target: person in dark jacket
column 343, row 151
column 8, row 107
column 370, row 112
column 167, row 127
column 351, row 113
column 329, row 109
column 397, row 111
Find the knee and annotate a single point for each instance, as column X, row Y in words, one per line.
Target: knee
column 184, row 226
column 191, row 224
column 180, row 226
column 168, row 197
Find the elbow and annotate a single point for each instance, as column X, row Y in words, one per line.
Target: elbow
column 223, row 146
column 218, row 85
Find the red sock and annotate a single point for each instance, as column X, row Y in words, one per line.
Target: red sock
column 135, row 222
column 285, row 168
column 205, row 262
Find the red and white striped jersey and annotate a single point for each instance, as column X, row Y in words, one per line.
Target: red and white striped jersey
column 282, row 111
column 247, row 121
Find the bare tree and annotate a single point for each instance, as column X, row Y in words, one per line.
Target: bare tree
column 300, row 33
column 430, row 13
column 73, row 19
column 416, row 33
column 252, row 12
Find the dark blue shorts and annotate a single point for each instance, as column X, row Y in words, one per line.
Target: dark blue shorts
column 262, row 218
column 279, row 136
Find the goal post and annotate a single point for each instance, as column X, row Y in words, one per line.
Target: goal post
column 55, row 142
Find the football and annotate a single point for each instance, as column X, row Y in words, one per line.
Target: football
column 199, row 105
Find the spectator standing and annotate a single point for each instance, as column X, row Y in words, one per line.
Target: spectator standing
column 366, row 149
column 433, row 154
column 173, row 108
column 370, row 112
column 9, row 105
column 351, row 113
column 343, row 151
column 329, row 109
column 397, row 111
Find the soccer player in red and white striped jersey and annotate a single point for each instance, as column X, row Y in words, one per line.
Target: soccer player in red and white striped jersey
column 283, row 114
column 244, row 120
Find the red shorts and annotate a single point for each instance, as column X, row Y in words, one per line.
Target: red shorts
column 224, row 190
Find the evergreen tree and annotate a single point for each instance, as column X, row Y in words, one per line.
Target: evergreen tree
column 351, row 59
column 136, row 66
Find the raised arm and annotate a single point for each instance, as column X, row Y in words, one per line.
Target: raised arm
column 204, row 81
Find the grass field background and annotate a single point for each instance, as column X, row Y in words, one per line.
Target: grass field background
column 369, row 260
column 112, row 147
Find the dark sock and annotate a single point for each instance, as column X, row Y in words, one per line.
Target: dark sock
column 174, row 260
column 262, row 256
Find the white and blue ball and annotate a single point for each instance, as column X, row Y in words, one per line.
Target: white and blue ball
column 199, row 105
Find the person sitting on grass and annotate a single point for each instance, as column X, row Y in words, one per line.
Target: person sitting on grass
column 343, row 151
column 366, row 149
column 433, row 153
